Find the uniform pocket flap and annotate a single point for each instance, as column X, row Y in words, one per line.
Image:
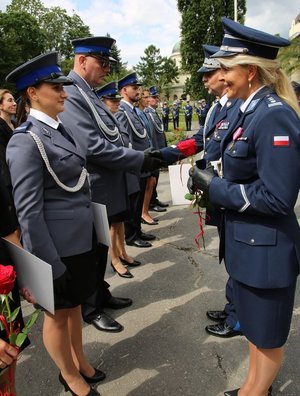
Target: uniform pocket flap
column 254, row 234
column 59, row 214
column 239, row 150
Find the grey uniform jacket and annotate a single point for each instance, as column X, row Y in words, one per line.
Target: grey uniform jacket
column 105, row 161
column 54, row 223
column 159, row 140
column 135, row 127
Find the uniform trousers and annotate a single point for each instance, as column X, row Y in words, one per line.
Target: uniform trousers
column 133, row 227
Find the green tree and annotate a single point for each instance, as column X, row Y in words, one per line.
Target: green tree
column 21, row 38
column 157, row 70
column 59, row 28
column 201, row 24
column 289, row 57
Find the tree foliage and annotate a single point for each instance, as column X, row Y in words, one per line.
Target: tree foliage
column 28, row 28
column 157, row 70
column 58, row 26
column 201, row 24
column 289, row 57
column 21, row 38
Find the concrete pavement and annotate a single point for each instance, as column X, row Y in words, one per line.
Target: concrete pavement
column 164, row 350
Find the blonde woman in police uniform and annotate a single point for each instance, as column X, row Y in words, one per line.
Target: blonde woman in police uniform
column 260, row 238
column 52, row 201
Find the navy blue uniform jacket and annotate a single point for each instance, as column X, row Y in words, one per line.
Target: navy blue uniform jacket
column 259, row 191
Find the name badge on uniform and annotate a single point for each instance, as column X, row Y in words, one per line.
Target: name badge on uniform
column 224, row 125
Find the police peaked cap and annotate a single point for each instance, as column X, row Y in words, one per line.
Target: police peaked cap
column 153, row 91
column 240, row 39
column 209, row 63
column 42, row 68
column 109, row 91
column 94, row 46
column 130, row 79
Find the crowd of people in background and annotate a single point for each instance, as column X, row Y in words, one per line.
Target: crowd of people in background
column 81, row 142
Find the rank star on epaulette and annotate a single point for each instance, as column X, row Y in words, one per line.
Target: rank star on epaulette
column 46, row 132
column 228, row 103
column 272, row 101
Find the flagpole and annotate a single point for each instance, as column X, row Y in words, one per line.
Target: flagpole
column 235, row 10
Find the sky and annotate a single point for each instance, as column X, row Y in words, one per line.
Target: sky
column 136, row 24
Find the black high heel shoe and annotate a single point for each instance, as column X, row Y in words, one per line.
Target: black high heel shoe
column 135, row 263
column 92, row 391
column 126, row 274
column 143, row 221
column 97, row 377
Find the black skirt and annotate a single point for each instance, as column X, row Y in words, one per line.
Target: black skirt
column 83, row 282
column 264, row 314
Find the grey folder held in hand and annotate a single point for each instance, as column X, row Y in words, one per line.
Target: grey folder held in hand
column 34, row 274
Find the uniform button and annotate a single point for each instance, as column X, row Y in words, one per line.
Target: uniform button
column 252, row 240
column 234, row 151
column 205, row 152
column 208, row 138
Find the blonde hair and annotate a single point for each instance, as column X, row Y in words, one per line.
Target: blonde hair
column 269, row 73
column 3, row 91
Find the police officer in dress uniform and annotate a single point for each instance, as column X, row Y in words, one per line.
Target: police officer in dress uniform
column 129, row 87
column 165, row 111
column 258, row 192
column 188, row 113
column 218, row 121
column 159, row 141
column 51, row 195
column 175, row 115
column 83, row 114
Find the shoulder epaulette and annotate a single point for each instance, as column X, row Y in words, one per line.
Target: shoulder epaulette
column 273, row 101
column 23, row 128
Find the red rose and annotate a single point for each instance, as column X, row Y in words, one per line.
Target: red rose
column 7, row 278
column 187, row 147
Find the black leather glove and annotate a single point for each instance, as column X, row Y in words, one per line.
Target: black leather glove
column 202, row 178
column 152, row 160
column 190, row 185
column 60, row 283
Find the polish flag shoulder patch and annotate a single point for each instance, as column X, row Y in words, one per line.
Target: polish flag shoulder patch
column 280, row 141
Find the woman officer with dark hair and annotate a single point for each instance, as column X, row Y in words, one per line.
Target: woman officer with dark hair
column 51, row 196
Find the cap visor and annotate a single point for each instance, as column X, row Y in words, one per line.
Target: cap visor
column 206, row 69
column 59, row 80
column 112, row 60
column 223, row 54
column 112, row 97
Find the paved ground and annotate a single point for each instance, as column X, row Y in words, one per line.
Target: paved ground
column 164, row 350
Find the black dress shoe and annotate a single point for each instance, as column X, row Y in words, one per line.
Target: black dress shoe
column 157, row 208
column 235, row 392
column 139, row 243
column 104, row 322
column 135, row 263
column 143, row 221
column 232, row 392
column 126, row 274
column 92, row 391
column 161, row 204
column 147, row 237
column 118, row 302
column 216, row 316
column 222, row 330
column 97, row 377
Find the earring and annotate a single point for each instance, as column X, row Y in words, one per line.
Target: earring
column 249, row 84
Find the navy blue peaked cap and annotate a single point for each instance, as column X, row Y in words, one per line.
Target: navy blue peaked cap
column 153, row 91
column 209, row 63
column 130, row 79
column 94, row 46
column 109, row 91
column 42, row 68
column 240, row 39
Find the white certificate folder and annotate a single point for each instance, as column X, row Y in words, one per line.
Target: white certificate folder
column 101, row 223
column 34, row 274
